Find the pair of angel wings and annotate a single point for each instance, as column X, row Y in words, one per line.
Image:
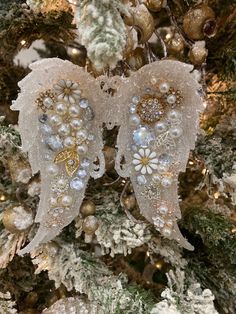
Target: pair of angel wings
column 62, row 110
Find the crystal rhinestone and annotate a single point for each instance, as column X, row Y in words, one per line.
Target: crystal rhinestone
column 77, row 184
column 48, row 102
column 89, row 114
column 135, row 99
column 158, row 222
column 165, row 159
column 150, row 109
column 46, row 129
column 141, row 180
column 85, row 163
column 82, row 173
column 166, row 232
column 142, row 137
column 84, row 103
column 163, row 209
column 54, row 143
column 43, row 118
column 132, row 108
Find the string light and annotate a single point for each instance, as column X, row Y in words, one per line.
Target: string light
column 204, row 171
column 23, row 42
column 168, row 36
column 75, row 51
column 158, row 265
column 191, row 162
column 2, row 198
column 216, row 195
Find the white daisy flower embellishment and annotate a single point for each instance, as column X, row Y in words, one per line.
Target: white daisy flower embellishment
column 145, row 161
column 67, row 91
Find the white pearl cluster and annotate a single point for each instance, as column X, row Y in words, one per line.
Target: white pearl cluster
column 65, row 126
column 152, row 167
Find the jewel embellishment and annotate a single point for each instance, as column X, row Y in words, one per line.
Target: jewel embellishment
column 71, row 159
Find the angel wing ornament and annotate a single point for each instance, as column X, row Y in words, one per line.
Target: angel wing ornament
column 60, row 126
column 158, row 109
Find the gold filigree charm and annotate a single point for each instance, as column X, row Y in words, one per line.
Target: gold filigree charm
column 71, row 159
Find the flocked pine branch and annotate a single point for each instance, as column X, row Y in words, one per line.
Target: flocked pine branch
column 76, row 269
column 102, row 31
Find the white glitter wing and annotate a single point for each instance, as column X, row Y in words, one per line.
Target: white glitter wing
column 158, row 108
column 60, row 125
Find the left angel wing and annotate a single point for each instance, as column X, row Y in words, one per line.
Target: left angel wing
column 60, row 125
column 160, row 106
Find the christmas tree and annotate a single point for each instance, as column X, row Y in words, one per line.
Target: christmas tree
column 118, row 163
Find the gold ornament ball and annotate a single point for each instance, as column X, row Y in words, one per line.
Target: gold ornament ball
column 142, row 20
column 199, row 22
column 129, row 201
column 87, row 208
column 176, row 44
column 20, row 170
column 110, row 155
column 90, row 225
column 17, row 219
column 198, row 54
column 137, row 59
column 29, row 311
column 154, row 5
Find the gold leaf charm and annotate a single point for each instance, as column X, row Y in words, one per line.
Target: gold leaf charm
column 71, row 159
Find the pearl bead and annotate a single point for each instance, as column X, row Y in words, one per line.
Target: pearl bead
column 66, row 200
column 53, row 201
column 174, row 115
column 82, row 135
column 74, row 111
column 171, row 99
column 132, row 108
column 84, row 103
column 61, row 108
column 134, row 120
column 53, row 169
column 176, row 132
column 82, row 149
column 163, row 209
column 166, row 182
column 164, row 87
column 64, row 130
column 61, row 183
column 55, row 120
column 76, row 124
column 69, row 141
column 48, row 102
column 166, row 232
column 160, row 127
